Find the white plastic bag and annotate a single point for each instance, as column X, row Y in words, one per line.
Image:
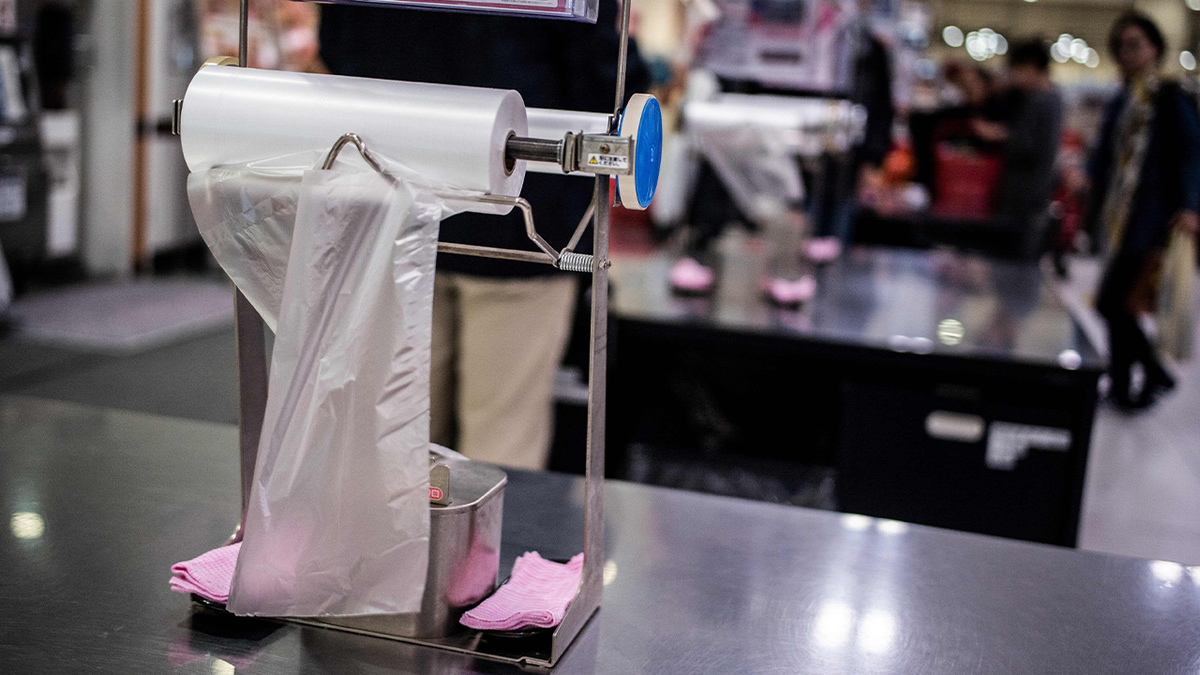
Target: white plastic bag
column 246, row 213
column 246, row 216
column 338, row 522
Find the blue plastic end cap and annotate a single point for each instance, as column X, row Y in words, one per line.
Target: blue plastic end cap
column 647, row 159
column 648, row 152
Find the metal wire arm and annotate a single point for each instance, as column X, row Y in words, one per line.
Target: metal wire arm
column 566, row 259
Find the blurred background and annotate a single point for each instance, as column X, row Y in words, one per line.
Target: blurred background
column 868, row 283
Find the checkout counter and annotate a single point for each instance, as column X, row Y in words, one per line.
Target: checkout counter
column 103, row 501
column 925, row 386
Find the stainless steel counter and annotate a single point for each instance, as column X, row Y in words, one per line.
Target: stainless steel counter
column 101, row 502
column 949, row 304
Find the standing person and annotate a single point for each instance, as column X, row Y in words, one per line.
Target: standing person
column 499, row 327
column 1030, row 140
column 870, row 69
column 1145, row 177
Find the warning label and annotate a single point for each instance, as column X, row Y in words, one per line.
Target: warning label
column 608, row 161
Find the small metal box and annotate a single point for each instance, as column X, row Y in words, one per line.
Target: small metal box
column 464, row 556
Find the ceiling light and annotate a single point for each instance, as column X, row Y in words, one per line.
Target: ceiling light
column 953, row 35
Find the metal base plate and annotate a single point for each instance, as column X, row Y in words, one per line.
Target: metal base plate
column 532, row 650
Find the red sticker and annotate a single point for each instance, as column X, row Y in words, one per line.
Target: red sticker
column 435, row 493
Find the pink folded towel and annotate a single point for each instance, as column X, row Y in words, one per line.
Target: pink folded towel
column 689, row 276
column 786, row 292
column 823, row 249
column 208, row 575
column 536, row 596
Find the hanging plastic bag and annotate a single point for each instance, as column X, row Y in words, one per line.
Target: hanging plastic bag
column 246, row 214
column 246, row 217
column 338, row 521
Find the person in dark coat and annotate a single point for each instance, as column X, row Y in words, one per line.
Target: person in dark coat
column 1030, row 139
column 500, row 327
column 1145, row 176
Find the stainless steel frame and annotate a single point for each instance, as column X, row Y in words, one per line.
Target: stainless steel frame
column 252, row 376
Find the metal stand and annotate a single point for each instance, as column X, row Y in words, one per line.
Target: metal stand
column 252, row 382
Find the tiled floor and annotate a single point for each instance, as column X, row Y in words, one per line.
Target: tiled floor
column 194, row 378
column 1143, row 487
column 125, row 316
column 1142, row 495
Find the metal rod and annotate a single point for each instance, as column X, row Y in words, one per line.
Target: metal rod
column 534, row 149
column 250, row 336
column 517, row 202
column 244, row 35
column 622, row 66
column 622, row 58
column 581, row 227
column 251, row 339
column 367, row 155
column 492, row 252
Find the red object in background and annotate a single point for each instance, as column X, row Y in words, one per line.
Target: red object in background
column 965, row 182
column 1069, row 207
column 1067, row 210
column 900, row 164
column 629, row 231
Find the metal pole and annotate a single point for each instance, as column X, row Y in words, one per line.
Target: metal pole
column 251, row 337
column 534, row 149
column 622, row 58
column 591, row 586
column 244, row 35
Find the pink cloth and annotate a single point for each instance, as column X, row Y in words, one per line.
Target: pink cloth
column 208, row 575
column 785, row 292
column 536, row 596
column 823, row 249
column 691, row 277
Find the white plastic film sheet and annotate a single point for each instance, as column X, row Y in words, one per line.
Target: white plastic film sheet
column 340, row 264
column 338, row 521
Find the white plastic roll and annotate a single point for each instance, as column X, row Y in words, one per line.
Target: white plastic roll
column 447, row 134
column 553, row 124
column 549, row 124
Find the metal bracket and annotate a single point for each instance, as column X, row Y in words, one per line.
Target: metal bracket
column 603, row 154
column 566, row 259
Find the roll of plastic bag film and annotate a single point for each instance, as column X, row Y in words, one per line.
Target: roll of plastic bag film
column 451, row 136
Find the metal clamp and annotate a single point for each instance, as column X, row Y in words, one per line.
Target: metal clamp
column 566, row 259
column 602, row 154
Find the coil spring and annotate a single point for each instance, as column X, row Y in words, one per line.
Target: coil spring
column 576, row 262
